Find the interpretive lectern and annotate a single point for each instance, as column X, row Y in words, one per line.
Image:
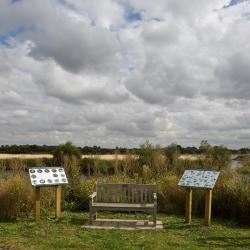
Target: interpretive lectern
column 47, row 177
column 205, row 179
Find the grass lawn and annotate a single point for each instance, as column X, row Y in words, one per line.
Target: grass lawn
column 68, row 234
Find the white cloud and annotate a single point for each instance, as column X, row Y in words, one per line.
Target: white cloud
column 83, row 71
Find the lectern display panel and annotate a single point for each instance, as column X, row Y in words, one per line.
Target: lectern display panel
column 48, row 176
column 199, row 178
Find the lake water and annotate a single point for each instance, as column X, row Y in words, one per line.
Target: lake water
column 235, row 164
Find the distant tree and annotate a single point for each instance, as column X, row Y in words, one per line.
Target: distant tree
column 67, row 149
column 190, row 150
column 173, row 152
column 205, row 147
column 69, row 156
column 244, row 151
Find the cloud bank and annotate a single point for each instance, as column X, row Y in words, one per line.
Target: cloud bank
column 116, row 73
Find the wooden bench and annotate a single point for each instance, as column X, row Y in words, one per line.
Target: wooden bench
column 123, row 197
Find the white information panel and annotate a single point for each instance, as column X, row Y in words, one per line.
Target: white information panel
column 199, row 178
column 47, row 176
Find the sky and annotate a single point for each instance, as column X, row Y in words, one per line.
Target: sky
column 117, row 73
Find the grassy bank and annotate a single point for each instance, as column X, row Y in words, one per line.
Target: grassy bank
column 68, row 234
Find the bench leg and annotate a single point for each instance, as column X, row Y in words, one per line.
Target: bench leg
column 90, row 214
column 154, row 216
column 90, row 217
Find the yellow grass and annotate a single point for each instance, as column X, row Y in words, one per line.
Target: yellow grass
column 190, row 157
column 37, row 156
column 108, row 157
column 25, row 156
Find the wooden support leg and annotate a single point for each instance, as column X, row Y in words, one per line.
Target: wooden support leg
column 208, row 207
column 188, row 205
column 37, row 204
column 58, row 201
column 90, row 214
column 154, row 216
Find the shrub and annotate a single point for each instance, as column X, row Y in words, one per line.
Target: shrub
column 145, row 154
column 171, row 198
column 130, row 165
column 215, row 156
column 180, row 165
column 17, row 165
column 16, row 197
column 245, row 170
column 246, row 160
column 72, row 168
column 104, row 167
column 77, row 196
column 153, row 157
column 231, row 197
column 172, row 153
column 220, row 156
column 2, row 167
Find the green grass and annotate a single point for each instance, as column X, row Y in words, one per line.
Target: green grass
column 68, row 234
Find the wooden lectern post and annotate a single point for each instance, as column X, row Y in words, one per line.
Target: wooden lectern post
column 208, row 207
column 199, row 178
column 188, row 205
column 37, row 204
column 58, row 201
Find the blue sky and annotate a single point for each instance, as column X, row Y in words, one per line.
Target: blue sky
column 5, row 38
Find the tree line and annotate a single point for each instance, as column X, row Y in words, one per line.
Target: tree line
column 47, row 149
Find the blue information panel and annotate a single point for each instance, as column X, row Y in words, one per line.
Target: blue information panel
column 47, row 176
column 199, row 178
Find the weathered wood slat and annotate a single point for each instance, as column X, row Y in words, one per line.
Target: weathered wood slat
column 132, row 192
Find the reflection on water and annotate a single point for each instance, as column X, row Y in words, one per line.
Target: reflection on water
column 235, row 163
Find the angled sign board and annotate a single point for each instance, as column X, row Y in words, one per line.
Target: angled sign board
column 199, row 179
column 47, row 176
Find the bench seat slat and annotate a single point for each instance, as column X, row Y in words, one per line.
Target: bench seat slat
column 122, row 205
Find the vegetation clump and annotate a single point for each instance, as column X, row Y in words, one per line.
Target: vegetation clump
column 151, row 164
column 67, row 149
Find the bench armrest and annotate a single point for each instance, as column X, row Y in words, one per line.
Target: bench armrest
column 155, row 197
column 92, row 196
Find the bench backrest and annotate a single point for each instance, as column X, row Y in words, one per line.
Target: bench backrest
column 125, row 193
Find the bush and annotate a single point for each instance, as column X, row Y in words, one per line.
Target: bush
column 172, row 153
column 16, row 197
column 130, row 164
column 245, row 169
column 231, row 197
column 2, row 167
column 171, row 198
column 215, row 156
column 72, row 168
column 153, row 158
column 76, row 197
column 17, row 165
